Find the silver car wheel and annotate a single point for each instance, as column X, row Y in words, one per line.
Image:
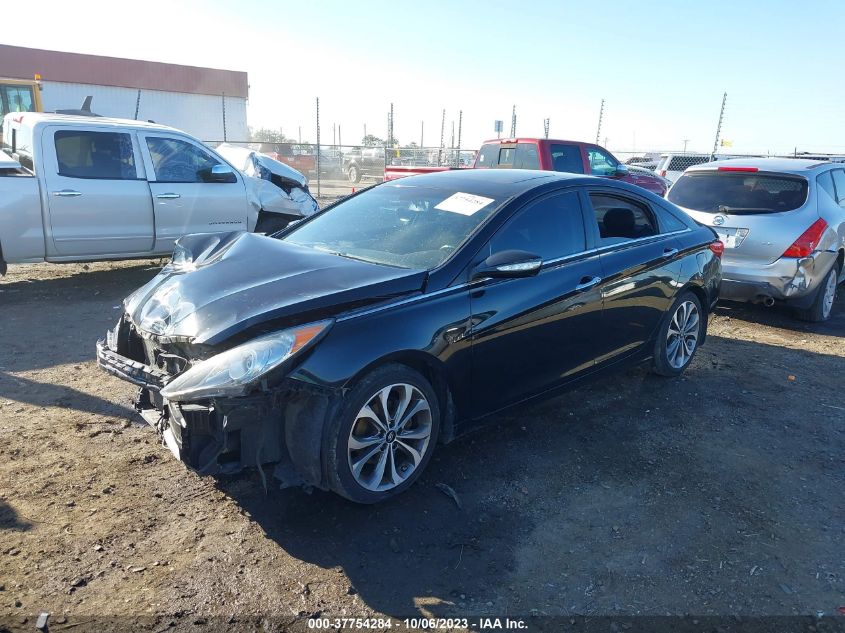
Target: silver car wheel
column 829, row 294
column 389, row 437
column 682, row 336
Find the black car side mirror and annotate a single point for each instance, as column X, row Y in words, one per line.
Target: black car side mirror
column 508, row 264
column 621, row 171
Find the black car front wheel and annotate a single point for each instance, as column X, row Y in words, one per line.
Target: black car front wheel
column 384, row 436
column 354, row 174
column 679, row 336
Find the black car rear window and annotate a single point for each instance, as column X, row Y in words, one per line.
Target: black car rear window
column 738, row 192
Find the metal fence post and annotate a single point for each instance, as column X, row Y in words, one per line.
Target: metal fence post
column 601, row 116
column 719, row 126
column 318, row 147
column 224, row 116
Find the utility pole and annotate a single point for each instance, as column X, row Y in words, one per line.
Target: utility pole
column 390, row 131
column 460, row 120
column 422, row 133
column 513, row 122
column 365, row 130
column 686, row 140
column 334, row 134
column 719, row 126
column 601, row 116
column 546, row 127
column 339, row 139
column 442, row 132
column 300, row 135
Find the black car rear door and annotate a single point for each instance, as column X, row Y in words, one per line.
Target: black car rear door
column 531, row 334
column 640, row 268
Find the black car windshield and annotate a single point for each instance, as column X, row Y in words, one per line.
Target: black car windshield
column 738, row 192
column 397, row 225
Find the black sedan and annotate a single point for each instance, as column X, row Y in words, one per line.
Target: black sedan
column 344, row 348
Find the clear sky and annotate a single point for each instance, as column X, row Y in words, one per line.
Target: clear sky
column 660, row 66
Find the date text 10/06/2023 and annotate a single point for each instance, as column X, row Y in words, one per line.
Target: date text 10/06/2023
column 417, row 624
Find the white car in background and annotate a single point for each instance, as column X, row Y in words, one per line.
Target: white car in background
column 671, row 166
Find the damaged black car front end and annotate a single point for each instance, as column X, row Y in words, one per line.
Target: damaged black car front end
column 221, row 414
column 210, row 351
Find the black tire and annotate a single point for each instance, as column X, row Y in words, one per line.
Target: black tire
column 340, row 476
column 353, row 173
column 664, row 362
column 821, row 309
column 270, row 223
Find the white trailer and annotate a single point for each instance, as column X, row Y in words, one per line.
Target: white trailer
column 211, row 118
column 207, row 103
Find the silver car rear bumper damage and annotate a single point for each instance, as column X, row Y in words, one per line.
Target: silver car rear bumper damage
column 787, row 279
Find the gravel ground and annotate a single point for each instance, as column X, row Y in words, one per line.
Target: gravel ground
column 717, row 493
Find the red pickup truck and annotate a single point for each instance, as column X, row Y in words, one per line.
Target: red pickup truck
column 549, row 155
column 303, row 162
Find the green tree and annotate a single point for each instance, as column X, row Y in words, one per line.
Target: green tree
column 266, row 135
column 371, row 140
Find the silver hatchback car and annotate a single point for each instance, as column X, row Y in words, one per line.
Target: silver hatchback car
column 782, row 222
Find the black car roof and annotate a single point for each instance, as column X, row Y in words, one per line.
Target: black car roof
column 496, row 182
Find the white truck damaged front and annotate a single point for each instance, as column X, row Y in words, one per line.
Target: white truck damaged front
column 278, row 193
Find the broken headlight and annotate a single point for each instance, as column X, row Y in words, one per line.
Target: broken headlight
column 233, row 372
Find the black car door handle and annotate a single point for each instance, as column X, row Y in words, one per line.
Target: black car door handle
column 587, row 283
column 670, row 252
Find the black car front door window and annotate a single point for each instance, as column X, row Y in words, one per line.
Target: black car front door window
column 550, row 228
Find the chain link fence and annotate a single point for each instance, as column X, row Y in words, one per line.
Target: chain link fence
column 338, row 170
column 671, row 164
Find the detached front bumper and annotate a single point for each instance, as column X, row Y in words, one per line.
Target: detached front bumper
column 787, row 279
column 225, row 435
column 130, row 370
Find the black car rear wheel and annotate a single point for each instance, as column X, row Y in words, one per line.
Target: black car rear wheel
column 680, row 333
column 384, row 436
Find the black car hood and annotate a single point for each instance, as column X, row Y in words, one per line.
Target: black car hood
column 235, row 281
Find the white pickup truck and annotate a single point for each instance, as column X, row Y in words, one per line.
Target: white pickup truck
column 78, row 188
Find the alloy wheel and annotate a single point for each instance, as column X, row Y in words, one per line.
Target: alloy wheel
column 682, row 337
column 389, row 437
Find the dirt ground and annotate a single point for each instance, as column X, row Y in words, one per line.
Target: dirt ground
column 717, row 493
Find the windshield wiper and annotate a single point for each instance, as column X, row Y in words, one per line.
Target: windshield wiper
column 722, row 208
column 330, row 251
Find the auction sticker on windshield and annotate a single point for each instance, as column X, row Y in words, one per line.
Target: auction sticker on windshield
column 464, row 203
